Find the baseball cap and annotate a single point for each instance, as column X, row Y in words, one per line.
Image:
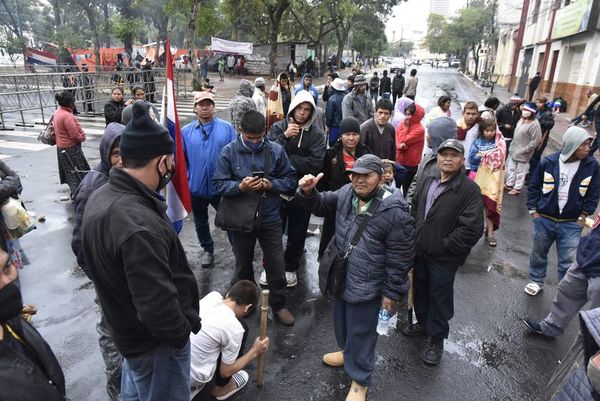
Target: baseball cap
column 200, row 96
column 367, row 164
column 452, row 144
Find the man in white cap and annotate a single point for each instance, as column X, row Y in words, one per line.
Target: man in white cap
column 333, row 111
column 203, row 140
column 260, row 95
column 562, row 192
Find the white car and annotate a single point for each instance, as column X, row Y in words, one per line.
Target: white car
column 444, row 64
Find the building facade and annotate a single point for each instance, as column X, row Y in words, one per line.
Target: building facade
column 560, row 39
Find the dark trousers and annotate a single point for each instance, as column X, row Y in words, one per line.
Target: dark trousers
column 200, row 210
column 396, row 95
column 434, row 296
column 374, row 94
column 295, row 218
column 408, row 177
column 327, row 231
column 223, row 381
column 411, row 97
column 269, row 237
column 355, row 328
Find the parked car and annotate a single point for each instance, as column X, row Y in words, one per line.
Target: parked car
column 444, row 64
column 455, row 63
column 397, row 64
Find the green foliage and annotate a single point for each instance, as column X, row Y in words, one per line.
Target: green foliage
column 437, row 34
column 368, row 35
column 122, row 27
column 67, row 36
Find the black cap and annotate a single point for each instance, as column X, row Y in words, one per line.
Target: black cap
column 144, row 139
column 367, row 164
column 349, row 124
column 452, row 144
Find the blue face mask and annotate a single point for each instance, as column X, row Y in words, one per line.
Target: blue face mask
column 253, row 146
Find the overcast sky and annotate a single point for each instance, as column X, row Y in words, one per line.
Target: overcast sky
column 409, row 19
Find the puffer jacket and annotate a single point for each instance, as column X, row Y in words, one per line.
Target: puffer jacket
column 237, row 162
column 413, row 137
column 307, row 150
column 93, row 179
column 10, row 183
column 380, row 262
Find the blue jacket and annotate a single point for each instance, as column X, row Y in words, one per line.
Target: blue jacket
column 202, row 153
column 311, row 89
column 380, row 262
column 480, row 145
column 334, row 109
column 588, row 257
column 237, row 162
column 584, row 192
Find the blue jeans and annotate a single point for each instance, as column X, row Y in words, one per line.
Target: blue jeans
column 162, row 374
column 545, row 233
column 200, row 210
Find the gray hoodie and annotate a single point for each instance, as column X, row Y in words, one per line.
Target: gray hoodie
column 241, row 103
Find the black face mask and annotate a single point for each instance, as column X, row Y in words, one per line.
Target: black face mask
column 11, row 303
column 163, row 180
column 369, row 196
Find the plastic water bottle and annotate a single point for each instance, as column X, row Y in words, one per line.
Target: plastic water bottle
column 383, row 325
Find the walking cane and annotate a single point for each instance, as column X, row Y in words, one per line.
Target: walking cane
column 409, row 298
column 264, row 312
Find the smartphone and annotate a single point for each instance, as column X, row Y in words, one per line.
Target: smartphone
column 259, row 174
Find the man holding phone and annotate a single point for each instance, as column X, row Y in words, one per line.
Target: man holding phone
column 253, row 164
column 304, row 144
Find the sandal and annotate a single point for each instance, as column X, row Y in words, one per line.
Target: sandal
column 491, row 241
column 507, row 188
column 514, row 191
column 241, row 379
column 533, row 289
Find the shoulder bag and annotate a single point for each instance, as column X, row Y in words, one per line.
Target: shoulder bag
column 47, row 136
column 242, row 212
column 334, row 263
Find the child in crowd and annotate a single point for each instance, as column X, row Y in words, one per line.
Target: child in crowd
column 388, row 177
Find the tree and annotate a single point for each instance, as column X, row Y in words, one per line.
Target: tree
column 125, row 28
column 436, row 39
column 275, row 11
column 368, row 35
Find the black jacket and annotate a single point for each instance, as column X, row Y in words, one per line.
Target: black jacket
column 113, row 111
column 23, row 379
column 385, row 85
column 398, row 83
column 454, row 223
column 334, row 169
column 10, row 184
column 507, row 115
column 146, row 288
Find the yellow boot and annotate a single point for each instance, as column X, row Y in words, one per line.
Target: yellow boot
column 334, row 359
column 357, row 392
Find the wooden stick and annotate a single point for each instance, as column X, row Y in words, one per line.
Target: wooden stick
column 264, row 315
column 410, row 297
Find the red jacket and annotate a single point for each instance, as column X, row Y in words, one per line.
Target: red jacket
column 66, row 128
column 413, row 137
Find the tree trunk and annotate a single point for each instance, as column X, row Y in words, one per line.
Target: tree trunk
column 190, row 39
column 127, row 12
column 90, row 12
column 275, row 17
column 106, row 24
column 56, row 12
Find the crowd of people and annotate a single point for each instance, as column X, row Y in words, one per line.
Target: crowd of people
column 399, row 188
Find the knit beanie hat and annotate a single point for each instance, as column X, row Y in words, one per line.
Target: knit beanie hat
column 529, row 106
column 144, row 139
column 572, row 139
column 349, row 124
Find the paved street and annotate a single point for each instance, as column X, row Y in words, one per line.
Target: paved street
column 488, row 355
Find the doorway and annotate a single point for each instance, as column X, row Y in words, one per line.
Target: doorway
column 550, row 80
column 527, row 56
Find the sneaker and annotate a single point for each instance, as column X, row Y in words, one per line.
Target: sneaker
column 334, row 359
column 433, row 352
column 413, row 330
column 291, row 279
column 285, row 317
column 357, row 392
column 263, row 279
column 535, row 327
column 207, row 259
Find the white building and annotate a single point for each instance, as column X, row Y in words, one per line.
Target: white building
column 441, row 7
column 563, row 44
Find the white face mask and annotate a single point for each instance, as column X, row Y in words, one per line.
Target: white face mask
column 525, row 113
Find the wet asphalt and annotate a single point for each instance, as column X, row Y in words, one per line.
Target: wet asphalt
column 488, row 356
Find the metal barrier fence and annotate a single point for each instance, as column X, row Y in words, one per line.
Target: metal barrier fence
column 28, row 98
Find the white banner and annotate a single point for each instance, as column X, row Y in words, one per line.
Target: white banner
column 228, row 46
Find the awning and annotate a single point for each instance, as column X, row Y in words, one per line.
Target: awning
column 228, row 46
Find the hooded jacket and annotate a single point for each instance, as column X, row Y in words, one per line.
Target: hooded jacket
column 306, row 151
column 528, row 135
column 241, row 102
column 202, row 153
column 148, row 293
column 10, row 183
column 399, row 109
column 385, row 85
column 380, row 262
column 454, row 222
column 334, row 108
column 311, row 89
column 398, row 83
column 237, row 162
column 94, row 179
column 413, row 137
column 353, row 107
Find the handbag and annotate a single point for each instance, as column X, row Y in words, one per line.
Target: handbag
column 334, row 263
column 17, row 221
column 242, row 212
column 47, row 136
